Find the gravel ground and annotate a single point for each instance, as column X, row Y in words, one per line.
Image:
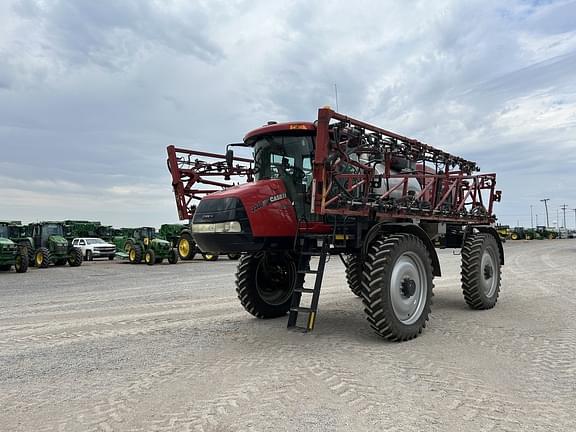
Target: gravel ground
column 111, row 346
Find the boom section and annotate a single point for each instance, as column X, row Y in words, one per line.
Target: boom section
column 361, row 170
column 196, row 174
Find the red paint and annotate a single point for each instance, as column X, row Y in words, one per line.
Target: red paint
column 273, row 219
column 280, row 127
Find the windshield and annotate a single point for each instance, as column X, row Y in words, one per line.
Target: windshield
column 53, row 230
column 4, row 231
column 94, row 241
column 282, row 156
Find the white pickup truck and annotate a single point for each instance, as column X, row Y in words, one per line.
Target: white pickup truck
column 94, row 248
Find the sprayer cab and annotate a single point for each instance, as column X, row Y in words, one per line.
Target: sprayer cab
column 265, row 211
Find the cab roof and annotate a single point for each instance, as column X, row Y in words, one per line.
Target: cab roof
column 276, row 128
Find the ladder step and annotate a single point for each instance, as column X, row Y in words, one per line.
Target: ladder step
column 301, row 309
column 304, row 290
column 307, row 272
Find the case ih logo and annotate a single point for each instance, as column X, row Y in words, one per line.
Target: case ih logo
column 268, row 201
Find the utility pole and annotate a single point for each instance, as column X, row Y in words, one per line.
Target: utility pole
column 531, row 218
column 545, row 200
column 574, row 218
column 564, row 210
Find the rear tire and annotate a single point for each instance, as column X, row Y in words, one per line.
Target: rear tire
column 481, row 271
column 150, row 257
column 397, row 285
column 354, row 274
column 135, row 254
column 42, row 257
column 21, row 264
column 75, row 257
column 186, row 247
column 265, row 283
column 172, row 256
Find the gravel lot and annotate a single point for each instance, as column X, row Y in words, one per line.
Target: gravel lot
column 111, row 346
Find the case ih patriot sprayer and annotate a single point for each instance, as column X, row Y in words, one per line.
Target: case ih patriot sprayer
column 340, row 186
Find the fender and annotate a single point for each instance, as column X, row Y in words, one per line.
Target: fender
column 407, row 228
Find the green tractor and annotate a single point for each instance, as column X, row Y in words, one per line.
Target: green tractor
column 181, row 238
column 11, row 254
column 142, row 244
column 51, row 247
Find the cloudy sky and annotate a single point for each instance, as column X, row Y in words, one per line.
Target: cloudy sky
column 91, row 92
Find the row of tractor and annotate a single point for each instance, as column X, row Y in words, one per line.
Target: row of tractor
column 539, row 233
column 59, row 243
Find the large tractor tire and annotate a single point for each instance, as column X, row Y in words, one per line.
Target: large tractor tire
column 186, row 247
column 354, row 274
column 42, row 257
column 150, row 257
column 265, row 283
column 210, row 256
column 172, row 256
column 21, row 264
column 397, row 285
column 514, row 236
column 481, row 271
column 75, row 257
column 135, row 254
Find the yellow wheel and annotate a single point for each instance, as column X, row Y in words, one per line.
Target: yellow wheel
column 150, row 257
column 184, row 247
column 132, row 254
column 514, row 236
column 39, row 259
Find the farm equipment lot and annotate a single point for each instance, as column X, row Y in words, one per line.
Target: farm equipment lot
column 110, row 346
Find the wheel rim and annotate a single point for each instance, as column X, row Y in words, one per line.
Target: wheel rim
column 18, row 263
column 408, row 288
column 275, row 280
column 209, row 257
column 132, row 254
column 488, row 273
column 39, row 258
column 148, row 258
column 184, row 247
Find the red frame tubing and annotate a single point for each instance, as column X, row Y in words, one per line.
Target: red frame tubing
column 461, row 197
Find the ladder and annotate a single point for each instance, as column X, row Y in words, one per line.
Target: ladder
column 303, row 269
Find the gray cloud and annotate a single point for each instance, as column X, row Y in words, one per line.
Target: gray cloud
column 92, row 92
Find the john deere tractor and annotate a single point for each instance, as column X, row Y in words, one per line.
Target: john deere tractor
column 11, row 254
column 142, row 244
column 51, row 247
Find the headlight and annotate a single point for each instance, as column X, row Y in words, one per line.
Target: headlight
column 220, row 227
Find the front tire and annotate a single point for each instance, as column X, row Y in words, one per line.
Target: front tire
column 150, row 257
column 172, row 256
column 75, row 257
column 481, row 271
column 186, row 247
column 21, row 264
column 135, row 254
column 42, row 257
column 397, row 285
column 265, row 283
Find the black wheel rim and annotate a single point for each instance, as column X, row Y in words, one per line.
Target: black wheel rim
column 275, row 277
